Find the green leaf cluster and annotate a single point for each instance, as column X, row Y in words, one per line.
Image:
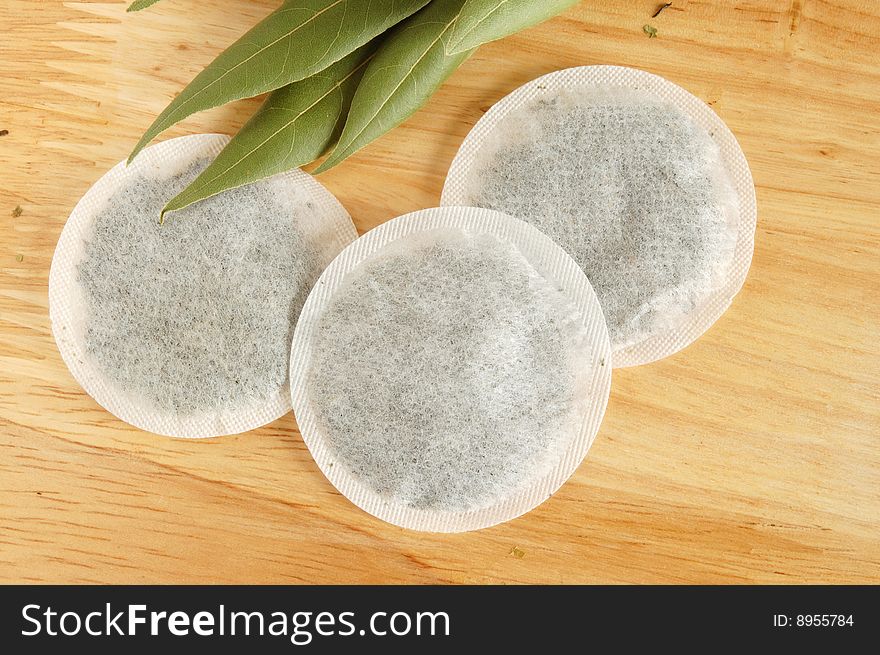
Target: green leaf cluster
column 339, row 74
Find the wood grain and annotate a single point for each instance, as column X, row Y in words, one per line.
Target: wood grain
column 752, row 456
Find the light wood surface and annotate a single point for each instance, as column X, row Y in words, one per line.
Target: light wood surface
column 752, row 456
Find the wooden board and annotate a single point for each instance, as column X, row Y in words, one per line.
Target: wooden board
column 752, row 456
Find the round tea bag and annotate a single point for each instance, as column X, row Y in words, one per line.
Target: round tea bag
column 638, row 180
column 450, row 369
column 184, row 328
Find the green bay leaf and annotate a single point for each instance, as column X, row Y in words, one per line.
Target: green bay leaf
column 137, row 5
column 299, row 39
column 295, row 125
column 482, row 21
column 409, row 66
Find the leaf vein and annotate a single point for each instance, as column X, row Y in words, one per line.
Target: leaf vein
column 286, row 125
column 257, row 52
column 400, row 83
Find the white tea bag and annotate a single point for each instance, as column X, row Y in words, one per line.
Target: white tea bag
column 450, row 369
column 184, row 328
column 639, row 181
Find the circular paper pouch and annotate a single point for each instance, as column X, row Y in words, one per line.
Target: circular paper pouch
column 431, row 363
column 741, row 214
column 321, row 222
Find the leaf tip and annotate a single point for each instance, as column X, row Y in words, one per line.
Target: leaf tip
column 135, row 151
column 170, row 206
column 326, row 165
column 138, row 5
